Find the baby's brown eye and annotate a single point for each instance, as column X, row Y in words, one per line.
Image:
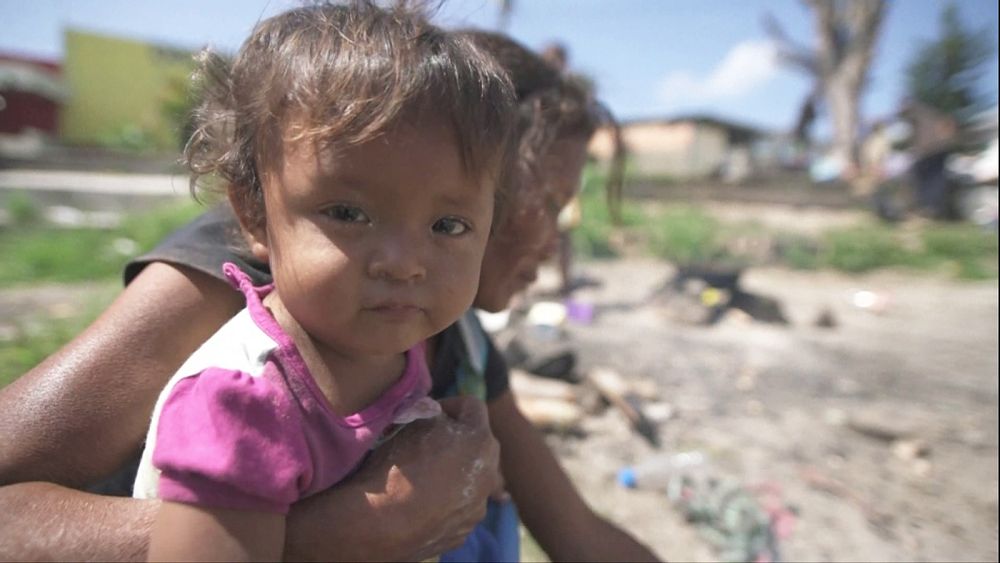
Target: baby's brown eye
column 450, row 226
column 347, row 214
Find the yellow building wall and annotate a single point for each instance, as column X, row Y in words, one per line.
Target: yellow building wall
column 121, row 91
column 681, row 150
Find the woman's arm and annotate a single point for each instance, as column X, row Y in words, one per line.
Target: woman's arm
column 82, row 413
column 46, row 522
column 184, row 532
column 555, row 514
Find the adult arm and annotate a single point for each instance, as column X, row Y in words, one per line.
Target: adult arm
column 551, row 508
column 184, row 532
column 82, row 413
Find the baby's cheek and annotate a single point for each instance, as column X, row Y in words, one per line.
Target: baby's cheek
column 458, row 288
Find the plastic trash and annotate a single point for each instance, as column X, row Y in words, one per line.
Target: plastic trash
column 659, row 471
column 871, row 301
column 493, row 322
column 547, row 313
column 579, row 311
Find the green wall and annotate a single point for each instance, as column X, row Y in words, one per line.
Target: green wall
column 123, row 93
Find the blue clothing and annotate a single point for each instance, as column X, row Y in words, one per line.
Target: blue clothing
column 497, row 537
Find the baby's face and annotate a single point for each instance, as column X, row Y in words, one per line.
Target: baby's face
column 380, row 245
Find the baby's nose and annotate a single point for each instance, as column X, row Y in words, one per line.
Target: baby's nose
column 398, row 259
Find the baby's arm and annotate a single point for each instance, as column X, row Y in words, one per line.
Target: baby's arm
column 184, row 532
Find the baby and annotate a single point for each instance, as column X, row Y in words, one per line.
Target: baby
column 360, row 148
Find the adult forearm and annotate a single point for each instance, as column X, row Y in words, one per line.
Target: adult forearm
column 46, row 522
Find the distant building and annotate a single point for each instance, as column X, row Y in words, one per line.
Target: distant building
column 31, row 94
column 123, row 92
column 695, row 146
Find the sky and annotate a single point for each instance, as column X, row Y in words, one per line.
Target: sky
column 649, row 58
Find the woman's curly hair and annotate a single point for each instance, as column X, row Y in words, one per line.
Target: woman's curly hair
column 551, row 106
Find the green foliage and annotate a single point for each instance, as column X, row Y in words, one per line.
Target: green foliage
column 946, row 71
column 41, row 253
column 130, row 138
column 592, row 237
column 35, row 339
column 799, row 252
column 861, row 250
column 177, row 107
column 22, row 209
column 967, row 250
column 687, row 235
column 974, row 254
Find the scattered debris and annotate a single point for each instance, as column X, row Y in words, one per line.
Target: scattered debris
column 886, row 426
column 551, row 414
column 825, row 319
column 871, row 301
column 705, row 294
column 547, row 314
column 742, row 523
column 579, row 312
column 616, row 390
column 528, row 385
column 493, row 322
column 660, row 472
column 547, row 358
column 820, row 481
column 909, row 450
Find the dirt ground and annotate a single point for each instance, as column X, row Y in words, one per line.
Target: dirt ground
column 880, row 431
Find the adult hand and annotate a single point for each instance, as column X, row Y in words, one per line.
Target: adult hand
column 418, row 495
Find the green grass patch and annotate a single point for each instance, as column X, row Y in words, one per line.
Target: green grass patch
column 966, row 250
column 688, row 234
column 38, row 253
column 27, row 341
column 22, row 209
column 865, row 249
column 591, row 239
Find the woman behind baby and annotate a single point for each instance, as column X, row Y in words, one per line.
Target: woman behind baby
column 360, row 149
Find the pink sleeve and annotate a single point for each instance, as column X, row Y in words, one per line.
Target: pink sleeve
column 229, row 440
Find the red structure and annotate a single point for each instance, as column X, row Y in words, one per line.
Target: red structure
column 31, row 93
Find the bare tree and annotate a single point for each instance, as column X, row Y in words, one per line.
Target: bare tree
column 505, row 8
column 846, row 32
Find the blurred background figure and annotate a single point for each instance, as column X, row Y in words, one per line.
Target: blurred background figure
column 933, row 137
column 875, row 150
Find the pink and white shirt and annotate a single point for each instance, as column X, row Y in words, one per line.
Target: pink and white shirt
column 242, row 424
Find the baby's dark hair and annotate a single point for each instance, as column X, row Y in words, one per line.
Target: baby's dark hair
column 348, row 72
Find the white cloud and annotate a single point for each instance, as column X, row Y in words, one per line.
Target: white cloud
column 745, row 67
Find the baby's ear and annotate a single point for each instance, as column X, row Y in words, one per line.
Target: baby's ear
column 253, row 224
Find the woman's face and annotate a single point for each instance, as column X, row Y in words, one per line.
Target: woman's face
column 527, row 235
